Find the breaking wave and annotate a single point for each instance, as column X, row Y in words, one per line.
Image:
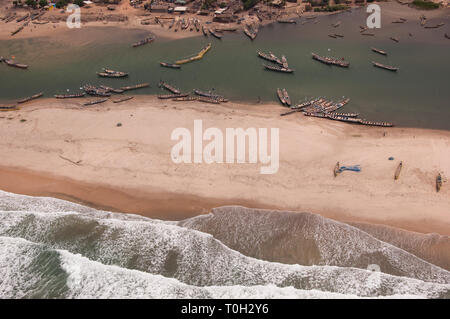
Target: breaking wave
column 51, row 248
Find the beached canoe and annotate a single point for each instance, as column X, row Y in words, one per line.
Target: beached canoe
column 172, row 96
column 336, row 170
column 124, row 99
column 287, row 99
column 398, row 170
column 215, row 34
column 69, row 96
column 33, row 97
column 281, row 96
column 438, row 182
column 95, row 102
column 169, row 87
column 12, row 107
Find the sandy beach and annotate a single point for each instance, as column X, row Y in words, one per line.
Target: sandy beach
column 61, row 149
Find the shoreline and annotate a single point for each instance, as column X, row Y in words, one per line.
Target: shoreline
column 135, row 16
column 128, row 169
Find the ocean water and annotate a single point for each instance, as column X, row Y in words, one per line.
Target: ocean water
column 51, row 248
column 416, row 96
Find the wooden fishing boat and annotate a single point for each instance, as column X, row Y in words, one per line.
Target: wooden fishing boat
column 204, row 31
column 338, row 35
column 250, row 34
column 394, row 39
column 169, row 87
column 33, row 97
column 210, row 95
column 347, row 114
column 438, row 182
column 12, row 107
column 40, row 22
column 378, row 51
column 215, row 34
column 281, row 97
column 435, row 26
column 291, row 21
column 268, row 57
column 172, row 96
column 95, row 102
column 143, row 42
column 336, row 24
column 386, row 67
column 277, row 68
column 69, row 96
column 196, row 57
column 332, row 36
column 447, row 36
column 112, row 75
column 185, row 99
column 18, row 30
column 170, row 65
column 398, row 170
column 134, row 87
column 286, row 97
column 336, row 170
column 330, row 61
column 16, row 65
column 124, row 99
column 382, row 124
column 186, row 24
column 208, row 100
column 110, row 89
column 23, row 17
column 197, row 25
column 96, row 91
column 284, row 62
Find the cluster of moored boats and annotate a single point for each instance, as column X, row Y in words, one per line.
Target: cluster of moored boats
column 251, row 31
column 108, row 73
column 324, row 108
column 330, row 60
column 202, row 96
column 281, row 65
column 143, row 42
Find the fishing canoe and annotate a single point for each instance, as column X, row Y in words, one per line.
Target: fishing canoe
column 69, row 96
column 286, row 97
column 398, row 170
column 170, row 65
column 143, row 42
column 172, row 96
column 281, row 96
column 27, row 99
column 169, row 87
column 12, row 107
column 215, row 34
column 134, row 87
column 95, row 102
column 378, row 51
column 336, row 170
column 438, row 182
column 124, row 99
column 394, row 39
column 16, row 65
column 277, row 69
column 386, row 67
column 112, row 75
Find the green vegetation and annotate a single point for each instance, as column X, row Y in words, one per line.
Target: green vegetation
column 43, row 3
column 207, row 4
column 249, row 3
column 427, row 5
column 337, row 7
column 31, row 3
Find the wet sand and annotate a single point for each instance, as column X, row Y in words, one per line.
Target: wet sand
column 70, row 152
